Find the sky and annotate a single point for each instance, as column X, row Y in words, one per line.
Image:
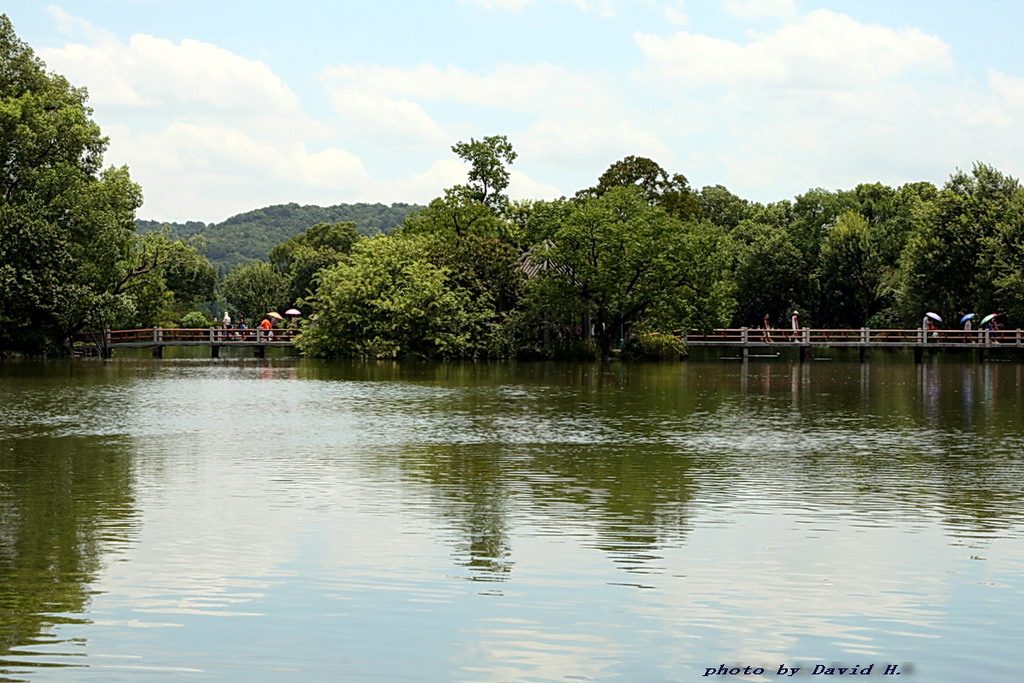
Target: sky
column 219, row 107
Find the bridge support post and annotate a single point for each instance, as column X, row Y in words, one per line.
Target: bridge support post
column 805, row 344
column 158, row 351
column 105, row 350
column 920, row 354
column 214, row 351
column 259, row 351
column 863, row 353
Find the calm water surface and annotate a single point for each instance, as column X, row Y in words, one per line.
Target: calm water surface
column 242, row 520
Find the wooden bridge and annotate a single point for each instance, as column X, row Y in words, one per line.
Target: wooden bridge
column 158, row 338
column 746, row 340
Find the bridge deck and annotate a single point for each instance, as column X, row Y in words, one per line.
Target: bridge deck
column 864, row 337
column 157, row 338
column 743, row 338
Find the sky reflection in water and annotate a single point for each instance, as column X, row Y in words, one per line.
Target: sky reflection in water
column 293, row 520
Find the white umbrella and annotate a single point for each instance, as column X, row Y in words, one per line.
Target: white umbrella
column 934, row 316
column 293, row 311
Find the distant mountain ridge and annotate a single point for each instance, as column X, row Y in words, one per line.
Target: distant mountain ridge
column 253, row 234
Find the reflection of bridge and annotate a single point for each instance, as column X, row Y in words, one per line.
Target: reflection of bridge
column 157, row 338
column 745, row 339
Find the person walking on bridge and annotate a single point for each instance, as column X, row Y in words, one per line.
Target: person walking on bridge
column 267, row 327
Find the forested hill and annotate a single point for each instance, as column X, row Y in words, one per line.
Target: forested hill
column 253, row 234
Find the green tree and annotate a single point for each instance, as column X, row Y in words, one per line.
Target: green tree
column 69, row 256
column 720, row 206
column 473, row 238
column 254, row 289
column 154, row 281
column 1005, row 261
column 849, row 273
column 301, row 257
column 389, row 300
column 488, row 173
column 947, row 264
column 671, row 192
column 457, row 215
column 769, row 273
column 628, row 264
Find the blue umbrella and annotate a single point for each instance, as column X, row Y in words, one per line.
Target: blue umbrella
column 966, row 317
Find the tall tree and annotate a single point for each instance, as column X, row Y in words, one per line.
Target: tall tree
column 488, row 173
column 946, row 264
column 627, row 263
column 388, row 299
column 849, row 273
column 769, row 271
column 301, row 257
column 66, row 227
column 256, row 288
column 721, row 207
column 670, row 192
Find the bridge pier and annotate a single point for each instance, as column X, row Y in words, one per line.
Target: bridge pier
column 863, row 353
column 158, row 351
column 259, row 351
column 214, row 351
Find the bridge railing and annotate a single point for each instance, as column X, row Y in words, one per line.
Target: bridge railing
column 852, row 337
column 192, row 335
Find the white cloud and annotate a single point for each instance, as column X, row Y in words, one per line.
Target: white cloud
column 387, row 121
column 675, row 16
column 515, row 87
column 821, row 50
column 825, row 101
column 820, row 99
column 590, row 144
column 188, row 78
column 1010, row 89
column 521, row 186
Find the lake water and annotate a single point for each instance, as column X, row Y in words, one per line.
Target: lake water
column 294, row 520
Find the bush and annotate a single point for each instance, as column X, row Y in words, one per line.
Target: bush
column 654, row 347
column 195, row 319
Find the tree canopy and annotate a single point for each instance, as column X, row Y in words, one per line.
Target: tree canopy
column 69, row 255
